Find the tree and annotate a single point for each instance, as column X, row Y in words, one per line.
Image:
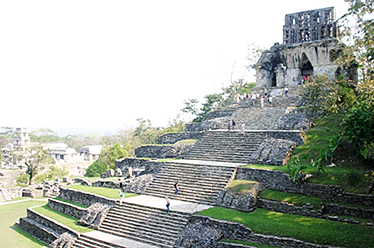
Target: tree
column 44, row 135
column 36, row 157
column 106, row 161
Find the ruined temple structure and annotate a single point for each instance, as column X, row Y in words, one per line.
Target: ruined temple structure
column 310, row 46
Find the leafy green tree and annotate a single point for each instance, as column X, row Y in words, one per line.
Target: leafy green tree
column 218, row 100
column 106, row 161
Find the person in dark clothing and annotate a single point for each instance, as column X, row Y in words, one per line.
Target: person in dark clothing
column 176, row 186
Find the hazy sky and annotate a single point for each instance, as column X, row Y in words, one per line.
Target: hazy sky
column 103, row 64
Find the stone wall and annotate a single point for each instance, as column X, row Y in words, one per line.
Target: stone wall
column 283, row 242
column 171, row 138
column 44, row 228
column 143, row 166
column 284, row 207
column 218, row 123
column 336, row 209
column 203, row 231
column 37, row 230
column 84, row 198
column 277, row 180
column 166, row 151
column 153, row 151
column 219, row 114
column 66, row 208
column 272, row 151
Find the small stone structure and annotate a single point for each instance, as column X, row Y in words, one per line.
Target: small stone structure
column 95, row 215
column 203, row 231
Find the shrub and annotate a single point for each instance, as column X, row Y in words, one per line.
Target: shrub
column 23, row 180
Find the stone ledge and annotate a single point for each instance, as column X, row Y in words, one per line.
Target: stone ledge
column 66, row 208
column 84, row 198
column 284, row 242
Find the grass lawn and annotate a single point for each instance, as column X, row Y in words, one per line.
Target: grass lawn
column 309, row 229
column 107, row 192
column 62, row 218
column 12, row 236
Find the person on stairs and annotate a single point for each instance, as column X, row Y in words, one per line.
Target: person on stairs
column 168, row 204
column 176, row 186
column 122, row 195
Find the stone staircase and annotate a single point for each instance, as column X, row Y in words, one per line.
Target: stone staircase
column 90, row 242
column 199, row 183
column 226, row 146
column 257, row 118
column 145, row 224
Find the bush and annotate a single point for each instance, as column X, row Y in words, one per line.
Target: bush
column 354, row 178
column 23, row 180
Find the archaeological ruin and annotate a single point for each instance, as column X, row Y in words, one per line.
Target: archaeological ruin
column 310, row 46
column 219, row 154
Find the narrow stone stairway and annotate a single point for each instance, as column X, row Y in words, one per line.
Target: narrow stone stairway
column 145, row 224
column 226, row 146
column 198, row 182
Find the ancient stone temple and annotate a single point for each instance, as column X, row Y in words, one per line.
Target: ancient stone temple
column 310, row 46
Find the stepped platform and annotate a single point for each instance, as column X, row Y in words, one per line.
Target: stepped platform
column 199, row 181
column 226, row 146
column 145, row 219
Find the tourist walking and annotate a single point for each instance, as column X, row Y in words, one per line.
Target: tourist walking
column 229, row 125
column 122, row 195
column 262, row 102
column 176, row 186
column 168, row 204
column 286, row 91
column 253, row 99
column 233, row 125
column 243, row 128
column 270, row 100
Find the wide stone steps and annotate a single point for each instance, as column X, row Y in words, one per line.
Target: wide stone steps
column 257, row 118
column 145, row 224
column 89, row 242
column 198, row 183
column 226, row 146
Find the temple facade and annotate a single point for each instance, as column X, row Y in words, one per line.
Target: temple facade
column 310, row 46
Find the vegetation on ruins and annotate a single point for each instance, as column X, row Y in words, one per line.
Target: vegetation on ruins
column 216, row 101
column 106, row 161
column 343, row 109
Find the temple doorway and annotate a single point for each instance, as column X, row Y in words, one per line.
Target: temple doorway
column 306, row 67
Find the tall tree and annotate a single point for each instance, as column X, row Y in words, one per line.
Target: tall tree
column 36, row 158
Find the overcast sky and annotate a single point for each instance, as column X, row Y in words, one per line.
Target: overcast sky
column 103, row 64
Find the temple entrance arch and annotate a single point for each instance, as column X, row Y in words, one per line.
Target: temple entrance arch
column 306, row 68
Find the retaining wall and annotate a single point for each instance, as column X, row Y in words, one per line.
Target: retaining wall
column 277, row 180
column 84, row 198
column 66, row 208
column 171, row 138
